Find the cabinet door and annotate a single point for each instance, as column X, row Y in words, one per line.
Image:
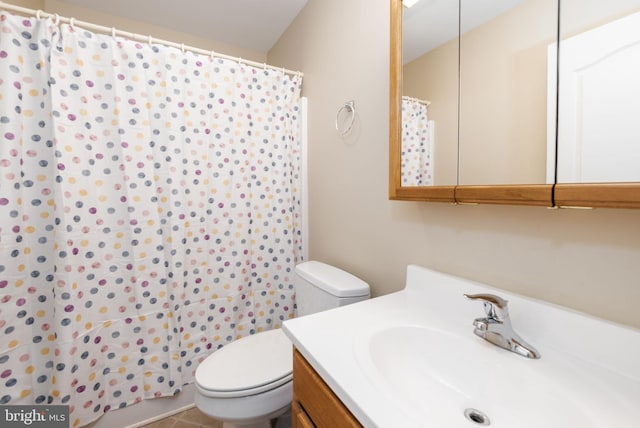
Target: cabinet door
column 300, row 418
column 321, row 405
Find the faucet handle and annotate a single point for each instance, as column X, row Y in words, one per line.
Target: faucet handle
column 489, row 298
column 494, row 306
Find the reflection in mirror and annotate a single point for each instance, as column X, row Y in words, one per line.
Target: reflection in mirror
column 418, row 136
column 599, row 96
column 430, row 94
column 503, row 90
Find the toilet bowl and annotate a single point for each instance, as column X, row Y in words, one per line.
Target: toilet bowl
column 249, row 382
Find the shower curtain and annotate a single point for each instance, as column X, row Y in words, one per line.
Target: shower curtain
column 149, row 213
column 416, row 157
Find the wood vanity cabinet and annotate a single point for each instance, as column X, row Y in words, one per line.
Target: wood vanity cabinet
column 314, row 404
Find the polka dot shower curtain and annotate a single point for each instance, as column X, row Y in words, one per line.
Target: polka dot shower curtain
column 417, row 162
column 149, row 213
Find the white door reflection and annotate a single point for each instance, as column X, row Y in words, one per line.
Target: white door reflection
column 599, row 104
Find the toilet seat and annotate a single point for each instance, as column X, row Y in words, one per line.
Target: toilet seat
column 248, row 366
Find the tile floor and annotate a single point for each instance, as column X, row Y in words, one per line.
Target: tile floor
column 192, row 418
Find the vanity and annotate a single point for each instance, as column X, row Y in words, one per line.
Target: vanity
column 411, row 359
column 314, row 403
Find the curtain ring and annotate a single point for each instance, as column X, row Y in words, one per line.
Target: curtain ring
column 212, row 55
column 350, row 108
column 38, row 13
column 150, row 40
column 182, row 48
column 72, row 23
column 113, row 32
column 56, row 19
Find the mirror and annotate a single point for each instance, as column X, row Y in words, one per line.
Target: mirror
column 504, row 48
column 430, row 94
column 477, row 185
column 492, row 82
column 599, row 92
column 418, row 191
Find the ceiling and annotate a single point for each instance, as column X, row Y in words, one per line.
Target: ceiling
column 431, row 23
column 258, row 24
column 251, row 24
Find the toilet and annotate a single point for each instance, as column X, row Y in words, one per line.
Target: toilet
column 248, row 383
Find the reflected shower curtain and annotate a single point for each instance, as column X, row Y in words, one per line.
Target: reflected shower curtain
column 416, row 158
column 149, row 213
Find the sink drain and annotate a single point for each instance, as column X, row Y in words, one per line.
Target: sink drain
column 477, row 417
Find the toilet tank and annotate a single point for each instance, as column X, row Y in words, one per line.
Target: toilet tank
column 320, row 286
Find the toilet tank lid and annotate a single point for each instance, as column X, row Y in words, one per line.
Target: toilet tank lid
column 332, row 280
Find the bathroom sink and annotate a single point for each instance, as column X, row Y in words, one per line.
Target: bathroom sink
column 435, row 375
column 411, row 359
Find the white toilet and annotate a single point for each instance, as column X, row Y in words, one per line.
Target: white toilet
column 248, row 382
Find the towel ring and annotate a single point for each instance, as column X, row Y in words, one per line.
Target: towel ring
column 349, row 108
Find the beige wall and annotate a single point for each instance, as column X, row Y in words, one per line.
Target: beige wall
column 31, row 4
column 582, row 15
column 587, row 260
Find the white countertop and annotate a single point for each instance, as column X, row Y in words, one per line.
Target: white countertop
column 333, row 342
column 331, row 353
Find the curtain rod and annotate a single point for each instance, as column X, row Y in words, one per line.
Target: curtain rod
column 425, row 102
column 137, row 37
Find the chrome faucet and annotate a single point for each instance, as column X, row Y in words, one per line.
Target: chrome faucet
column 496, row 327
